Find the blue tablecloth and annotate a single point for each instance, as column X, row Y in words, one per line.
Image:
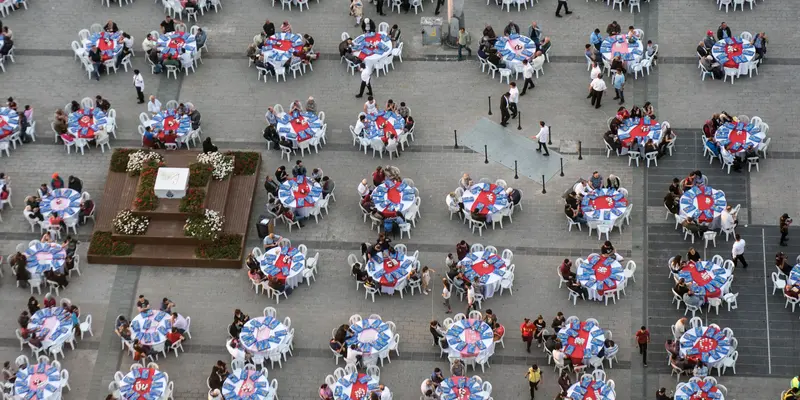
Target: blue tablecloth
column 710, row 205
column 170, row 120
column 244, row 384
column 64, row 202
column 515, row 48
column 371, row 336
column 619, row 45
column 37, row 382
column 739, row 137
column 86, row 122
column 588, row 388
column 45, row 257
column 613, row 208
column 262, row 334
column 107, row 43
column 171, row 44
column 9, row 121
column 151, row 327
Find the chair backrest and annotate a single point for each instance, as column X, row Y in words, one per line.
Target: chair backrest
column 354, row 319
column 476, row 247
column 383, row 27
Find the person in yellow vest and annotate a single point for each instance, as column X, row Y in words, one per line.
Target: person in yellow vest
column 796, row 382
column 534, row 376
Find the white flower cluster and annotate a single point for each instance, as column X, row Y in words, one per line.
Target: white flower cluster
column 207, row 228
column 126, row 223
column 223, row 166
column 138, row 159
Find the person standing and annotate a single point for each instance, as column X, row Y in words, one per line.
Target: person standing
column 527, row 73
column 464, row 40
column 439, row 3
column 470, row 297
column 783, row 224
column 504, row 115
column 446, row 295
column 619, row 86
column 596, row 89
column 527, row 328
column 138, row 83
column 513, row 99
column 738, row 251
column 542, row 137
column 366, row 74
column 562, row 3
column 643, row 339
column 379, row 7
column 534, row 376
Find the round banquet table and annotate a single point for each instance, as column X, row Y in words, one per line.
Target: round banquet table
column 618, row 45
column 300, row 193
column 263, row 334
column 590, row 389
column 705, row 278
column 641, row 128
column 392, row 197
column 598, row 274
column 461, row 388
column 278, row 48
column 299, row 126
column 53, row 324
column 9, row 122
column 372, row 47
column 794, row 276
column 470, row 338
column 356, row 386
column 172, row 44
column 107, row 43
column 707, row 344
column 604, row 204
column 582, row 341
column 739, row 137
column 86, row 122
column 245, row 384
column 372, row 337
column 170, row 120
column 64, row 202
column 731, row 52
column 143, row 384
column 699, row 390
column 515, row 48
column 151, row 327
column 38, row 382
column 284, row 263
column 382, row 124
column 390, row 271
column 45, row 257
column 703, row 203
column 485, row 198
column 490, row 268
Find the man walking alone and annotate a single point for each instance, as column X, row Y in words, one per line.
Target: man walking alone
column 542, row 137
column 738, row 251
column 562, row 3
column 527, row 73
column 783, row 224
column 596, row 89
column 619, row 86
column 504, row 115
column 138, row 83
column 366, row 74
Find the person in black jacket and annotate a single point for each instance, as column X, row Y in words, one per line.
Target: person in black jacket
column 271, row 186
column 505, row 115
column 75, row 184
column 367, row 25
column 280, row 174
column 723, row 31
column 268, row 28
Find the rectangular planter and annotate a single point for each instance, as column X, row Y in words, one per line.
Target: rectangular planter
column 166, row 262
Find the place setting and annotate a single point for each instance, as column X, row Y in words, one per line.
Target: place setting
column 735, row 140
column 489, row 268
column 470, row 340
column 304, row 129
column 390, row 268
column 602, row 275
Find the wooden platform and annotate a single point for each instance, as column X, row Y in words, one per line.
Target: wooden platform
column 164, row 244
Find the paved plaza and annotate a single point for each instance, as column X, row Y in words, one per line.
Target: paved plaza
column 444, row 95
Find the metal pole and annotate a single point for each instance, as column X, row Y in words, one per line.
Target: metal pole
column 516, row 175
column 455, row 138
column 485, row 155
column 550, row 136
column 490, row 105
column 562, row 166
column 580, row 156
column 543, row 188
column 519, row 121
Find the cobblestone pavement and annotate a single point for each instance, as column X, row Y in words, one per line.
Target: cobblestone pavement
column 445, row 95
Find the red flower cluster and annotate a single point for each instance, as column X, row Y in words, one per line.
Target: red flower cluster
column 244, row 162
column 146, row 199
column 226, row 247
column 199, row 174
column 103, row 244
column 193, row 201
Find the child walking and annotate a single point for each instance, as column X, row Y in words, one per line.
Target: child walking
column 426, row 279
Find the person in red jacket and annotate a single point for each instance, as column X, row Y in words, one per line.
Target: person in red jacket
column 527, row 328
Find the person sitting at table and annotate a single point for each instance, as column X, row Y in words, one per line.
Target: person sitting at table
column 367, row 25
column 343, row 333
column 271, row 241
column 56, row 182
column 574, row 214
column 572, row 199
column 56, row 277
column 712, row 66
column 402, row 110
column 650, row 146
column 75, row 184
column 327, row 186
column 780, row 262
column 607, row 249
column 119, row 324
column 391, row 140
column 494, row 58
column 676, row 265
column 692, row 299
column 691, row 225
column 358, row 272
column 728, row 219
column 792, row 291
column 669, row 137
column 681, row 287
column 253, row 53
column 498, row 331
column 174, row 336
column 279, row 285
column 622, row 114
column 565, row 269
column 215, row 380
column 280, row 174
column 60, row 121
column 345, row 45
column 612, row 140
column 514, row 196
column 617, row 64
column 636, row 112
column 32, row 213
column 299, row 169
column 672, row 203
column 661, row 394
column 46, row 238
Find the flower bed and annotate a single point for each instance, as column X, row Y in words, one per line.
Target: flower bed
column 119, row 160
column 223, row 166
column 146, row 199
column 138, row 160
column 193, row 201
column 199, row 174
column 244, row 162
column 225, row 247
column 125, row 223
column 102, row 244
column 204, row 227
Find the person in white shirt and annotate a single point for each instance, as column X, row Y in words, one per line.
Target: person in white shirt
column 359, row 129
column 363, row 188
column 527, row 73
column 727, row 219
column 558, row 357
column 595, row 73
column 370, row 107
column 352, row 355
column 470, row 298
column 153, row 106
column 680, row 327
column 179, row 322
column 186, row 59
column 149, row 43
column 513, row 99
column 596, row 89
column 542, row 137
column 385, row 393
column 427, row 385
column 738, row 252
column 366, row 73
column 446, row 288
column 138, row 83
